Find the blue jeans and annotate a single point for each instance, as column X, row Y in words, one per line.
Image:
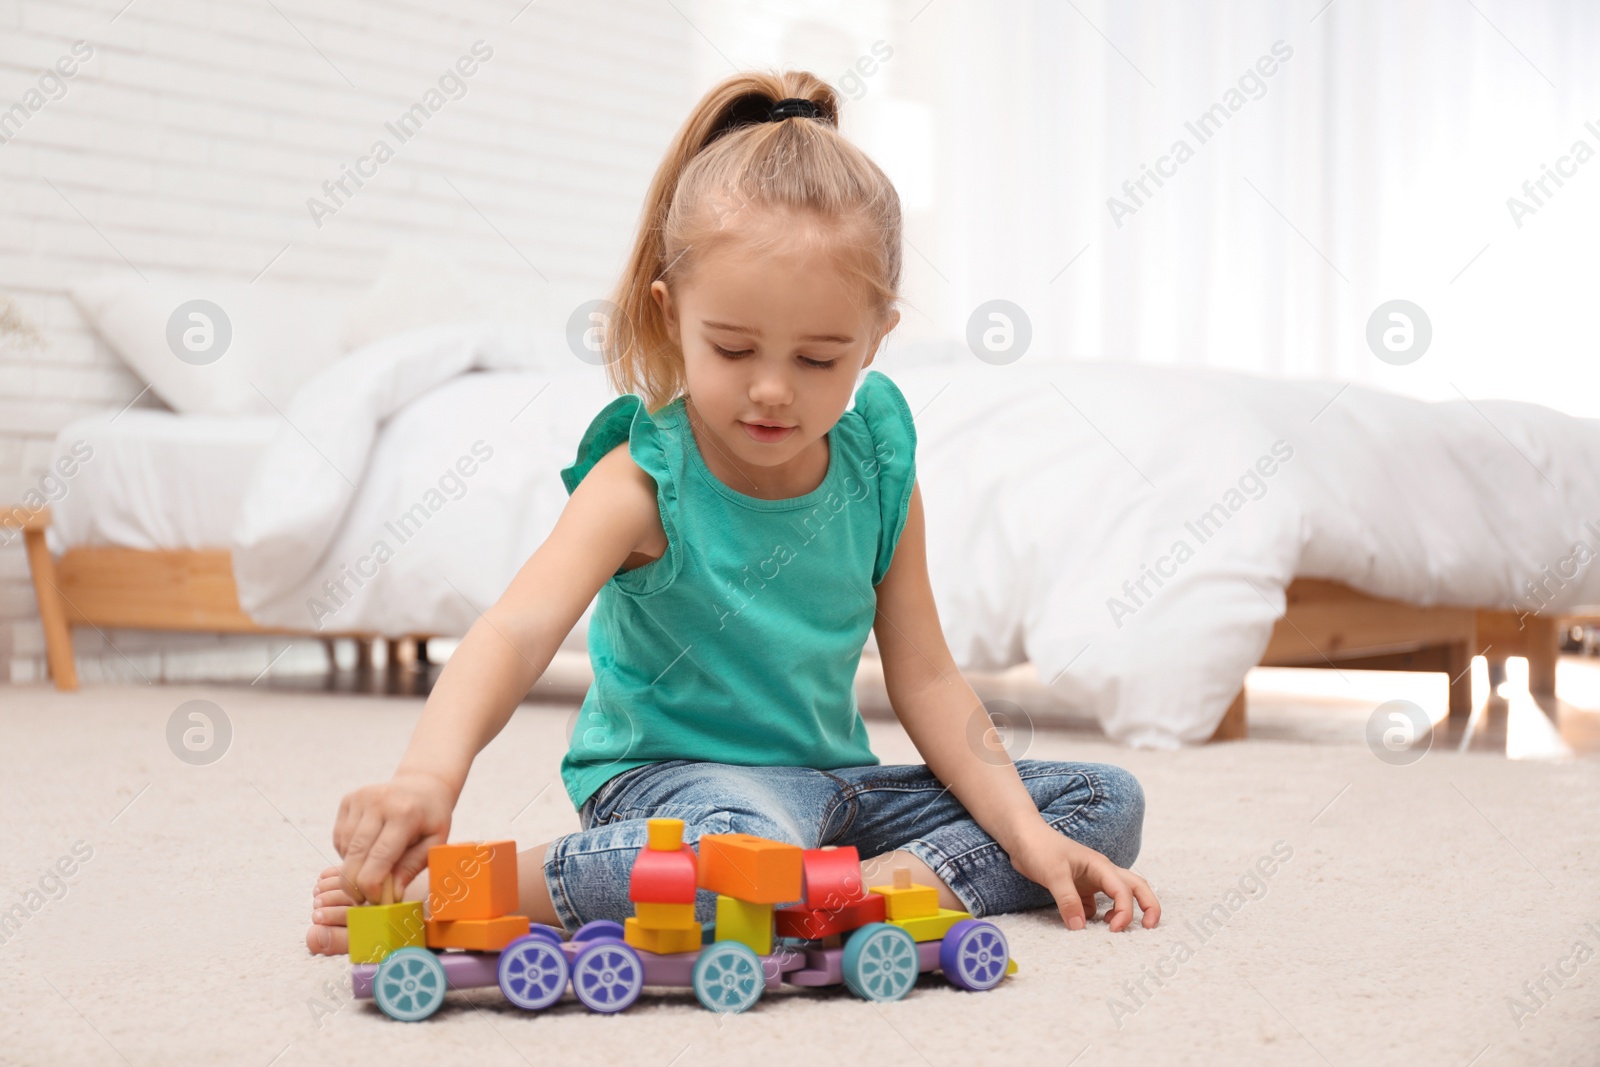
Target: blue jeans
column 877, row 809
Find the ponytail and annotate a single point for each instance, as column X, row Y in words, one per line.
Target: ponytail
column 726, row 160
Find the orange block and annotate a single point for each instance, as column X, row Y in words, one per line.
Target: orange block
column 479, row 935
column 753, row 869
column 472, row 881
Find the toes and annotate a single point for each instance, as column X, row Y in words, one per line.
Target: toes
column 324, row 940
column 332, row 898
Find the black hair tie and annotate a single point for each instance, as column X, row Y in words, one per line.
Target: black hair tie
column 754, row 109
column 791, row 108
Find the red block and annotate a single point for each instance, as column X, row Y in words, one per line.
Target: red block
column 831, row 877
column 814, row 924
column 661, row 877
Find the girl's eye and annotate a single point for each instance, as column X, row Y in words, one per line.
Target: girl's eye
column 820, row 364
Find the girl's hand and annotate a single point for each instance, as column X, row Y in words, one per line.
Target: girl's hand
column 388, row 829
column 1074, row 873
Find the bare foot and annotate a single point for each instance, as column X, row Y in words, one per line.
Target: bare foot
column 327, row 935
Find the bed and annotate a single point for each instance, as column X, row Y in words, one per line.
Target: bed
column 1323, row 523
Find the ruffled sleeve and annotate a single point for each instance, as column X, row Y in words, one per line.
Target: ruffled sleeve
column 894, row 443
column 625, row 419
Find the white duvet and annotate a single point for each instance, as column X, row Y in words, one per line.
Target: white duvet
column 1131, row 530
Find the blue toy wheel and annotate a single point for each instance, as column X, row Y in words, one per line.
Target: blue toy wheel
column 409, row 985
column 598, row 928
column 549, row 933
column 974, row 954
column 532, row 972
column 880, row 962
column 607, row 976
column 727, row 976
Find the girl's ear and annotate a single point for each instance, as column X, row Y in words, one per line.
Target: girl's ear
column 663, row 299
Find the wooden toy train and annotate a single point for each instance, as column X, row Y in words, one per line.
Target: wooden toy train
column 874, row 941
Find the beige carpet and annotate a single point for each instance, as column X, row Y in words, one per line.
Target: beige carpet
column 1416, row 902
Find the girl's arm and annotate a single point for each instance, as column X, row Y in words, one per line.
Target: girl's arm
column 388, row 828
column 936, row 706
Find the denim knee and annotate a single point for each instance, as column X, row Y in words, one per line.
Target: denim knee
column 1122, row 804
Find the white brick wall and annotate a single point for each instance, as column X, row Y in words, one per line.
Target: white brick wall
column 192, row 138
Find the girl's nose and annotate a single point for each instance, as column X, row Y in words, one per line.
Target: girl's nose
column 771, row 390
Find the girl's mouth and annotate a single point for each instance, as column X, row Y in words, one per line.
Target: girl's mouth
column 767, row 435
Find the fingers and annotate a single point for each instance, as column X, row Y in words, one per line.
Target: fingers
column 413, row 863
column 1091, row 905
column 1071, row 909
column 355, row 857
column 1121, row 894
column 1147, row 901
column 390, row 845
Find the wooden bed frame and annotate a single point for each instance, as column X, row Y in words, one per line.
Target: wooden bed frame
column 1326, row 624
column 177, row 589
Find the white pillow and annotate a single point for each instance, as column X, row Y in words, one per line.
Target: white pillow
column 215, row 347
column 419, row 285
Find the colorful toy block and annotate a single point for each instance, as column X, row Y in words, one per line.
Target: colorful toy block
column 378, row 929
column 656, row 916
column 478, row 935
column 831, row 877
column 814, row 924
column 472, row 881
column 930, row 927
column 906, row 900
column 664, row 870
column 752, row 869
column 661, row 942
column 664, row 835
column 747, row 923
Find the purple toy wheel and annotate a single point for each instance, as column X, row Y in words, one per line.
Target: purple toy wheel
column 974, row 954
column 607, row 976
column 598, row 928
column 532, row 972
column 549, row 933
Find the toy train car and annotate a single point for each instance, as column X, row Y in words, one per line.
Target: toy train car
column 874, row 941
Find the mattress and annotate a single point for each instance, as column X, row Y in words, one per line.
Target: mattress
column 153, row 479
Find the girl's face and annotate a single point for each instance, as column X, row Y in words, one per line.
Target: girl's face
column 772, row 346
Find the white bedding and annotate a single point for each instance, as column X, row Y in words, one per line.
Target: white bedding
column 1056, row 495
column 154, row 479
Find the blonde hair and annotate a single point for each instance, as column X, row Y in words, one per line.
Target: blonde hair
column 724, row 159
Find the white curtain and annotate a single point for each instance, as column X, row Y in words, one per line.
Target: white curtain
column 1374, row 163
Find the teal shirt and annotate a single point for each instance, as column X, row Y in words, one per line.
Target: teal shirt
column 740, row 644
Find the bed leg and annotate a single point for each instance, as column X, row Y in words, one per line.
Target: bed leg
column 52, row 608
column 1543, row 648
column 1233, row 726
column 363, row 655
column 1458, row 668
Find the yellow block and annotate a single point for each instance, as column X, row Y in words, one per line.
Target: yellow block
column 378, row 929
column 665, row 835
column 1011, row 966
column 740, row 920
column 913, row 902
column 661, row 942
column 665, row 916
column 931, row 927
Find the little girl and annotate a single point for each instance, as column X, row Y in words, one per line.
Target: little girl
column 744, row 532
